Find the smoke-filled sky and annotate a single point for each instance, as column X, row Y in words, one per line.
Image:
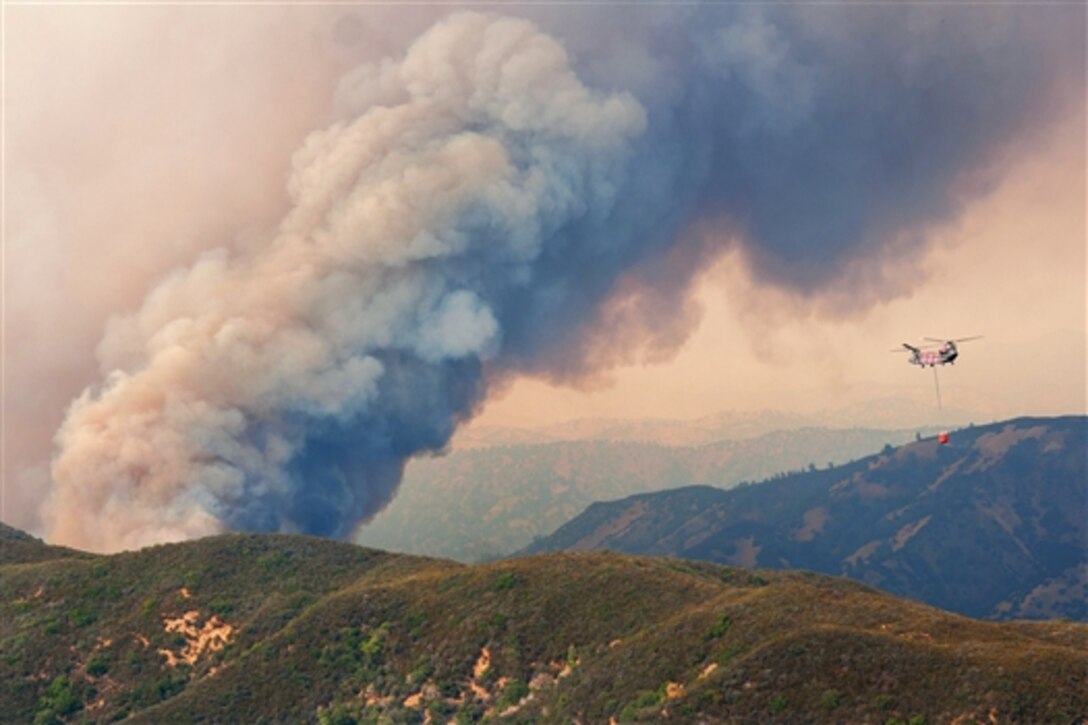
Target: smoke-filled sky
column 259, row 257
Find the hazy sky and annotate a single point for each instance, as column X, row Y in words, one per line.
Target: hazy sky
column 1011, row 269
column 673, row 211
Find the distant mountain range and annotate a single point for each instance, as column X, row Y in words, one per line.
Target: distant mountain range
column 265, row 628
column 479, row 504
column 882, row 411
column 994, row 524
column 727, row 425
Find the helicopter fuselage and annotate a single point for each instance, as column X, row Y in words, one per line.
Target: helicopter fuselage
column 945, row 355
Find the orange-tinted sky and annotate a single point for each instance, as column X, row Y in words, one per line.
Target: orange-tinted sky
column 1012, row 269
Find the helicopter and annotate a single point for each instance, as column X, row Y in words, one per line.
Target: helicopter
column 945, row 353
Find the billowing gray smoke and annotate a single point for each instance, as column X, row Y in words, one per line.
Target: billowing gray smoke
column 480, row 203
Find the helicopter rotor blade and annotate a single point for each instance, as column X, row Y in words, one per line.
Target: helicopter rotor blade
column 958, row 339
column 912, row 348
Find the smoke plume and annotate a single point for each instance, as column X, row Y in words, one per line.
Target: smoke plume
column 498, row 201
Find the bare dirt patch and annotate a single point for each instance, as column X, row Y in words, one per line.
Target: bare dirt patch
column 210, row 636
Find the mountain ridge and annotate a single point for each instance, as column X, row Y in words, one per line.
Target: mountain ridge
column 480, row 504
column 17, row 546
column 986, row 526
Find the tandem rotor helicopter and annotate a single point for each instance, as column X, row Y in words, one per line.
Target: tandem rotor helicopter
column 945, row 353
column 938, row 352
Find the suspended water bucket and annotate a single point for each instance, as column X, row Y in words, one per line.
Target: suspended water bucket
column 942, row 437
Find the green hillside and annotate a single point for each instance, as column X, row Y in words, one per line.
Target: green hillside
column 261, row 628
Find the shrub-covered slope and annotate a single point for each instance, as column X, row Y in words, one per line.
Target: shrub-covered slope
column 251, row 628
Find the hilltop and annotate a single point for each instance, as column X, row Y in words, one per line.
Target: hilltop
column 991, row 525
column 20, row 547
column 245, row 628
